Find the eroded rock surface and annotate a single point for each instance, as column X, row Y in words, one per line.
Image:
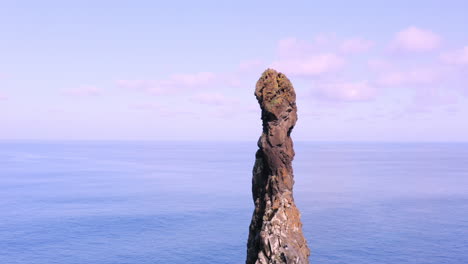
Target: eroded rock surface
column 275, row 234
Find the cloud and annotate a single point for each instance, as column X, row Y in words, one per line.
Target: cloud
column 307, row 58
column 213, row 99
column 85, row 90
column 356, row 45
column 310, row 66
column 414, row 39
column 175, row 82
column 345, row 91
column 456, row 57
column 421, row 76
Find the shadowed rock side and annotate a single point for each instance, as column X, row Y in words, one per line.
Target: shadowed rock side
column 275, row 234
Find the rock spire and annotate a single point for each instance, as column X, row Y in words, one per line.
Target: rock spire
column 275, row 233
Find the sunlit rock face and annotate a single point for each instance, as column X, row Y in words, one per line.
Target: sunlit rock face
column 275, row 234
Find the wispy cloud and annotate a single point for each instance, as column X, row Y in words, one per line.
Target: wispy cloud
column 311, row 65
column 456, row 57
column 345, row 91
column 322, row 55
column 324, row 59
column 414, row 39
column 417, row 76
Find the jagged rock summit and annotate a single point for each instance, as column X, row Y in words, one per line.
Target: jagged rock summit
column 275, row 234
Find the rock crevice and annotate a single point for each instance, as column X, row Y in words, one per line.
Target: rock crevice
column 275, row 233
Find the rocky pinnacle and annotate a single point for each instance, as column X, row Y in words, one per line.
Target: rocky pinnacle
column 275, row 234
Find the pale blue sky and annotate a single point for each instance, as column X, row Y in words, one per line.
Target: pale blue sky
column 180, row 70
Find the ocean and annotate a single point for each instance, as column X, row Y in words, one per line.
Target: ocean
column 91, row 202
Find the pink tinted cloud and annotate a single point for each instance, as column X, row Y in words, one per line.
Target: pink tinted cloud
column 421, row 76
column 213, row 99
column 307, row 58
column 310, row 66
column 345, row 91
column 456, row 57
column 356, row 45
column 414, row 39
column 175, row 82
column 85, row 90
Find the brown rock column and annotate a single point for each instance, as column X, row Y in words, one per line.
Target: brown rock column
column 275, row 234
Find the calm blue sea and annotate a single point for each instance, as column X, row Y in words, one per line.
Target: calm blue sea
column 185, row 202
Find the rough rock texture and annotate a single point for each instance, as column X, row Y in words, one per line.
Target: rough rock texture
column 276, row 230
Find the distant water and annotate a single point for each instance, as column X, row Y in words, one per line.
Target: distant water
column 176, row 202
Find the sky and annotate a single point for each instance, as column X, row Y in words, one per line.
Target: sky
column 186, row 70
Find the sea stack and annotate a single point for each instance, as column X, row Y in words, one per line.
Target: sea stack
column 275, row 234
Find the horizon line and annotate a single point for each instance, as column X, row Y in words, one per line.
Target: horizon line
column 226, row 141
